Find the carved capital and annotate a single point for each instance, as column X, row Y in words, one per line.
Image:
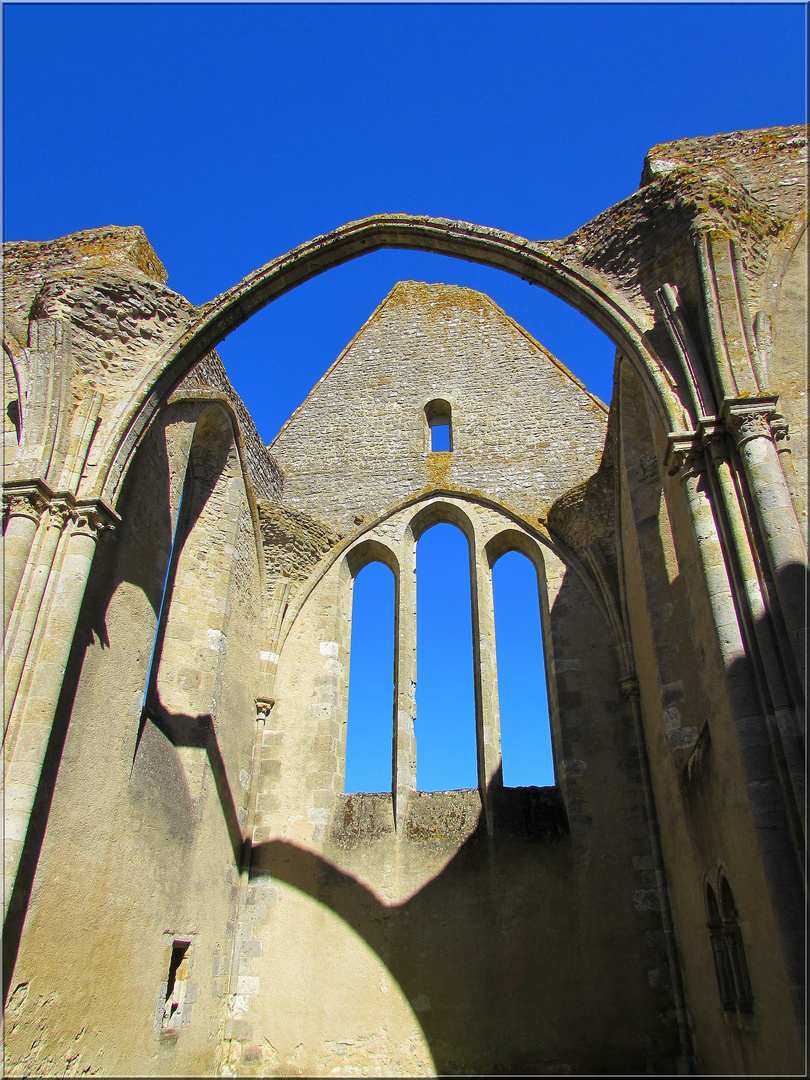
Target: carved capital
column 749, row 425
column 750, row 418
column 715, row 439
column 684, row 455
column 26, row 498
column 92, row 517
column 264, row 706
column 60, row 512
column 781, row 433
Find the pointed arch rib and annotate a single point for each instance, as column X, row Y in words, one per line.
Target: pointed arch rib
column 535, row 262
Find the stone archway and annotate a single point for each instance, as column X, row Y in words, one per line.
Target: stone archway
column 539, row 263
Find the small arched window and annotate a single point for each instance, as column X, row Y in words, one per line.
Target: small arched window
column 438, row 414
column 728, row 950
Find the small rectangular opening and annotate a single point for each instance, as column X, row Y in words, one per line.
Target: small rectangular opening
column 439, row 437
column 175, row 985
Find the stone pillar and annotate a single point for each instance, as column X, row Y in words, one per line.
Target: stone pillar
column 689, row 460
column 21, row 631
column 38, row 710
column 781, row 437
column 24, row 504
column 776, row 514
column 780, row 713
column 765, row 798
column 686, row 1065
column 485, row 668
column 404, row 742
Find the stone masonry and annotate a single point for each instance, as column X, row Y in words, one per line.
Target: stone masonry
column 189, row 890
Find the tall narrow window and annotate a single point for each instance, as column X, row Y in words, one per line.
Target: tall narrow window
column 438, row 415
column 728, row 950
column 735, row 947
column 522, row 693
column 445, row 695
column 722, row 969
column 371, row 681
column 176, row 986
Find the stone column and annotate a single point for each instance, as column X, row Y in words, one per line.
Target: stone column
column 21, row 631
column 38, row 710
column 686, row 1065
column 24, row 504
column 776, row 514
column 688, row 460
column 765, row 799
column 780, row 713
column 485, row 667
column 404, row 741
column 781, row 437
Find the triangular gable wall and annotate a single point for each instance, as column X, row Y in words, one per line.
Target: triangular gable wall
column 524, row 429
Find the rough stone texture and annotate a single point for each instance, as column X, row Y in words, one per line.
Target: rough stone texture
column 437, row 341
column 208, row 377
column 751, row 183
column 178, row 651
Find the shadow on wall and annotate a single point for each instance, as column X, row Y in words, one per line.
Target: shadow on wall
column 137, row 557
column 496, row 953
column 773, row 752
column 466, row 949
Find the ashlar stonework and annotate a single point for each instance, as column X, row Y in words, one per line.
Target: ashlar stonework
column 188, row 887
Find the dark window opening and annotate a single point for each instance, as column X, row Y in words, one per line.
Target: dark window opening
column 438, row 414
column 13, row 413
column 728, row 950
column 522, row 694
column 371, row 682
column 175, row 984
column 736, row 949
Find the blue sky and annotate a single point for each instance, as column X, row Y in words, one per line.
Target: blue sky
column 231, row 133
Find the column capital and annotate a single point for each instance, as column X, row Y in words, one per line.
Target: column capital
column 714, row 435
column 264, row 706
column 26, row 498
column 750, row 418
column 780, row 432
column 684, row 454
column 92, row 517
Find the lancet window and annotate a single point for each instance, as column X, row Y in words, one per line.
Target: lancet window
column 450, row 713
column 728, row 949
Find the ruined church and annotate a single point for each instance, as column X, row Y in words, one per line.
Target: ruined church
column 189, row 889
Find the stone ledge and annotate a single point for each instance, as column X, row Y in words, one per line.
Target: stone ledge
column 450, row 817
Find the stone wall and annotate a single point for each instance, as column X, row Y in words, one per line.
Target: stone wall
column 146, row 818
column 447, row 944
column 189, row 889
column 361, row 439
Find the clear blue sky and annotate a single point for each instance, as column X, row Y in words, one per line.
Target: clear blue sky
column 232, row 133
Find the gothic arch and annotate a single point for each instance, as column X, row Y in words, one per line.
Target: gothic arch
column 533, row 536
column 536, row 262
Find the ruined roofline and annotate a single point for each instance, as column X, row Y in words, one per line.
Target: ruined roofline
column 706, row 152
column 407, row 286
column 105, row 245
